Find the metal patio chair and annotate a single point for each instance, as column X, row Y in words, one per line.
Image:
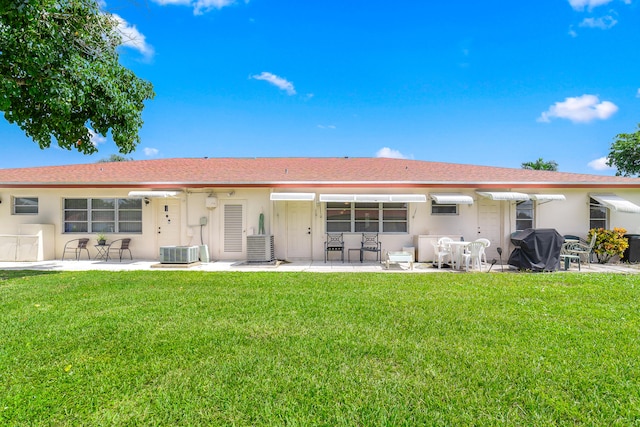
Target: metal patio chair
column 334, row 243
column 76, row 246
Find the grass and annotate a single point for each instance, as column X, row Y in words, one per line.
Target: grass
column 190, row 348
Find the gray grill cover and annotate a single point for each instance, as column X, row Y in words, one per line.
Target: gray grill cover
column 537, row 249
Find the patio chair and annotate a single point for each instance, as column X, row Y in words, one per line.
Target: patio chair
column 442, row 251
column 76, row 246
column 334, row 243
column 121, row 246
column 486, row 243
column 473, row 255
column 583, row 250
column 370, row 243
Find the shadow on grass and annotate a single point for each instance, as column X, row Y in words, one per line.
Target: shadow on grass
column 15, row 273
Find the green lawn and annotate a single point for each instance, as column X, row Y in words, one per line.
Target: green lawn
column 190, row 348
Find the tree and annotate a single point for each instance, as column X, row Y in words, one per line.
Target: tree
column 624, row 154
column 541, row 165
column 60, row 75
column 115, row 158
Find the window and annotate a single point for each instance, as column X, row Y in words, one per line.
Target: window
column 524, row 215
column 443, row 208
column 598, row 214
column 25, row 206
column 102, row 215
column 350, row 217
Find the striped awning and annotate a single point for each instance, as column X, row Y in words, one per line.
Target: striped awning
column 293, row 197
column 504, row 195
column 547, row 197
column 617, row 203
column 374, row 198
column 451, row 198
column 153, row 193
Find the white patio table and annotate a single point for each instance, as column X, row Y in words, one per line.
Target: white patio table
column 457, row 249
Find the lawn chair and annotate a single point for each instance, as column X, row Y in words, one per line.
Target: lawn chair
column 76, row 246
column 473, row 255
column 442, row 250
column 334, row 243
column 581, row 249
column 121, row 246
column 370, row 243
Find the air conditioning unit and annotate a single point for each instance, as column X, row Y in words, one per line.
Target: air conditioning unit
column 179, row 254
column 260, row 248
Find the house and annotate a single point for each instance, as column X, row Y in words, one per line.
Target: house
column 220, row 202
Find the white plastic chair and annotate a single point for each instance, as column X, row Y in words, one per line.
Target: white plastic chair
column 442, row 250
column 473, row 255
column 486, row 243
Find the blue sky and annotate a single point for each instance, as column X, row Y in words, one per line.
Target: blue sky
column 490, row 83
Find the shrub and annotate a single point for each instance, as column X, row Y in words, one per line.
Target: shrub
column 608, row 243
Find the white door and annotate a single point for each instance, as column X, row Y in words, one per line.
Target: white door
column 490, row 225
column 234, row 230
column 299, row 230
column 167, row 222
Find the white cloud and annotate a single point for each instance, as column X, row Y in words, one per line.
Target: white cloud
column 199, row 6
column 133, row 38
column 390, row 153
column 588, row 4
column 638, row 94
column 279, row 82
column 95, row 138
column 600, row 164
column 332, row 127
column 604, row 23
column 581, row 109
column 150, row 152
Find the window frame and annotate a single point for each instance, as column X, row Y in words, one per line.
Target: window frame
column 344, row 217
column 15, row 204
column 594, row 204
column 444, row 209
column 531, row 209
column 98, row 218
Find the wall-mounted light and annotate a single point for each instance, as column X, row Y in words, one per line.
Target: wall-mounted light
column 231, row 193
column 146, row 201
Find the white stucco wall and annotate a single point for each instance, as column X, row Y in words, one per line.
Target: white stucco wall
column 568, row 217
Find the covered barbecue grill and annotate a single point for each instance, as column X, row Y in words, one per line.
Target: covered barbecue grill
column 537, row 249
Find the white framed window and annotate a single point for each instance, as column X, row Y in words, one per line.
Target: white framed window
column 443, row 208
column 598, row 215
column 524, row 215
column 350, row 217
column 97, row 215
column 24, row 205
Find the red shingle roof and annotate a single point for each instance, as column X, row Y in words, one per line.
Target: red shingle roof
column 297, row 172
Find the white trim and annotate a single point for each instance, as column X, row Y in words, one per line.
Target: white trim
column 617, row 203
column 293, row 196
column 374, row 198
column 504, row 195
column 451, row 198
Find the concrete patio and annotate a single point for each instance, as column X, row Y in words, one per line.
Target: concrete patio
column 285, row 266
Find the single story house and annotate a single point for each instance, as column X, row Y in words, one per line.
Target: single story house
column 221, row 202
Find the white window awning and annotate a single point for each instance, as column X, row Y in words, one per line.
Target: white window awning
column 617, row 203
column 293, row 197
column 451, row 198
column 153, row 193
column 374, row 198
column 504, row 195
column 547, row 197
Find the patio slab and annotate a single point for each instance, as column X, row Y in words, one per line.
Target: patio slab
column 294, row 266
